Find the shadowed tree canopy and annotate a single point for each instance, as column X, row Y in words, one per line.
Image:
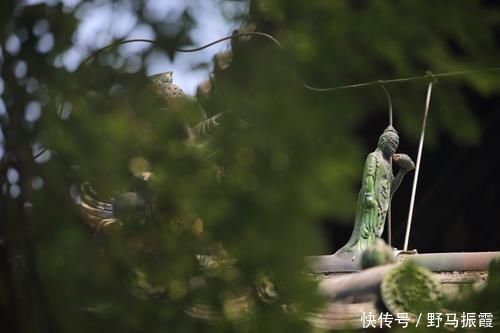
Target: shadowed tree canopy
column 283, row 166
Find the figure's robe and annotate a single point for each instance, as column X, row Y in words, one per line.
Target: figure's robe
column 369, row 221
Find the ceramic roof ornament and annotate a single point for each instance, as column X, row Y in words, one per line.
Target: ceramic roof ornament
column 377, row 254
column 378, row 186
column 412, row 289
column 164, row 86
column 137, row 202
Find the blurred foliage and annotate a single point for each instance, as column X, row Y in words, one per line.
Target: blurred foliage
column 257, row 200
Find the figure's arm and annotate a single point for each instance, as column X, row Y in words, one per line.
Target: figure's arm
column 406, row 164
column 369, row 181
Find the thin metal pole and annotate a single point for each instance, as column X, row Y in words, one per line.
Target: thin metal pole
column 389, row 218
column 389, row 100
column 417, row 168
column 389, row 213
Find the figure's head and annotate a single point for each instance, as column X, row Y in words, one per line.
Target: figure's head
column 388, row 141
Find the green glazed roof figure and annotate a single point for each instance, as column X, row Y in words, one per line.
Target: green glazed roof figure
column 378, row 186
